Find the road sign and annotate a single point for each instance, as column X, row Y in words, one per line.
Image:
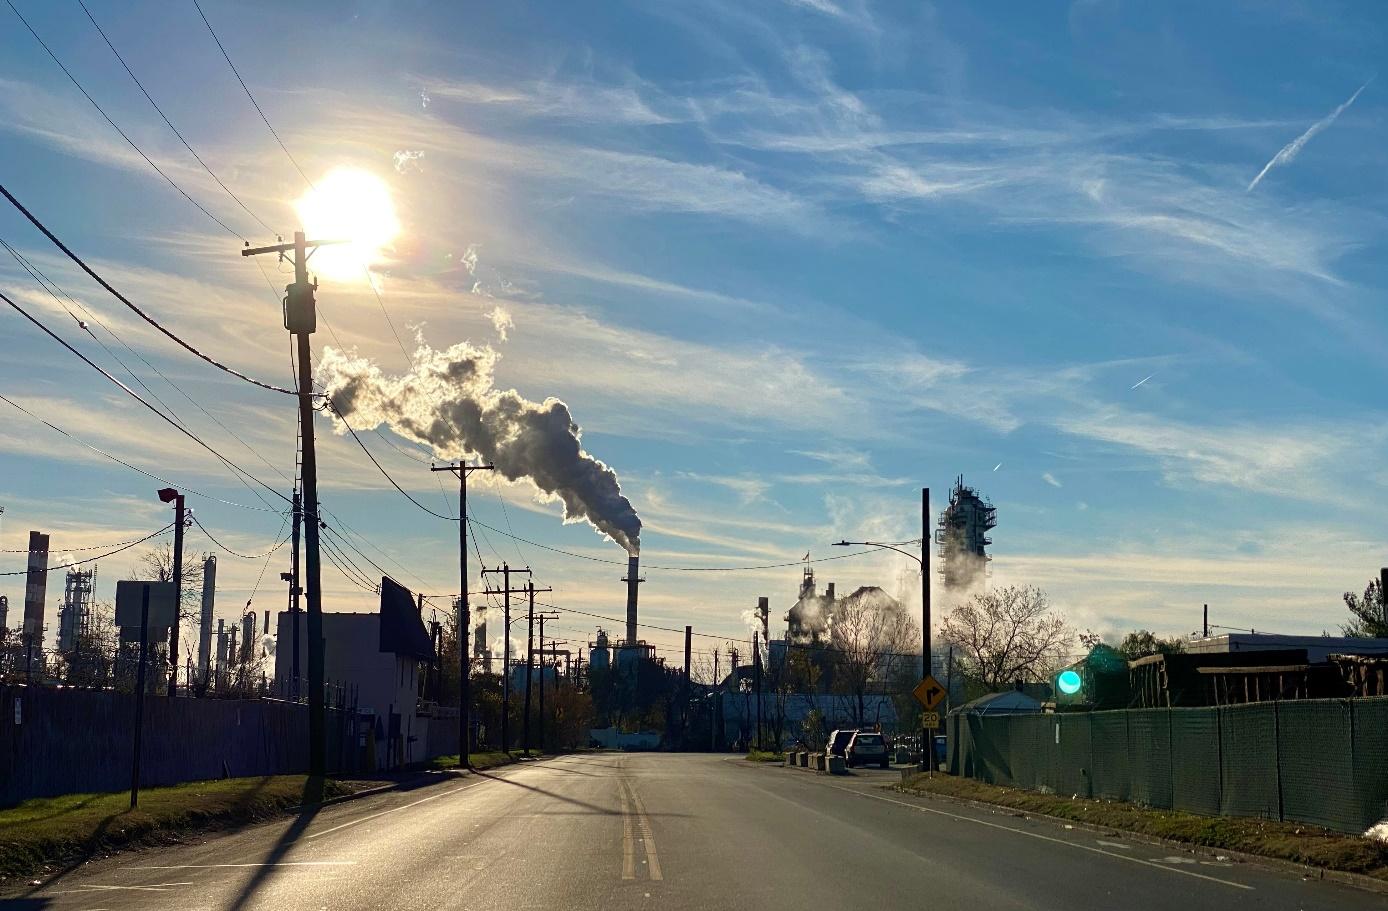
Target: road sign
column 930, row 720
column 162, row 610
column 929, row 693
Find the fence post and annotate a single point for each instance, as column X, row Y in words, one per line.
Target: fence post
column 1277, row 754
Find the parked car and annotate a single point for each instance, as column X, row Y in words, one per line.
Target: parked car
column 867, row 747
column 838, row 741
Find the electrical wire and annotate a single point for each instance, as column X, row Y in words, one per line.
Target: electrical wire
column 149, row 161
column 379, row 467
column 135, row 395
column 169, row 123
column 266, row 565
column 26, row 550
column 53, row 290
column 125, row 300
column 109, row 553
column 233, row 553
column 245, row 88
column 119, row 461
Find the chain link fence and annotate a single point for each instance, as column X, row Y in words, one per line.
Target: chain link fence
column 1321, row 761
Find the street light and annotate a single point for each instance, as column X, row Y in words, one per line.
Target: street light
column 927, row 746
column 170, row 495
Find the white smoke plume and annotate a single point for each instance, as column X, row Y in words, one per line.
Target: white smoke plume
column 407, row 159
column 501, row 321
column 449, row 402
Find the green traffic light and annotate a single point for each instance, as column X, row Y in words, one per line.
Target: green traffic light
column 1069, row 682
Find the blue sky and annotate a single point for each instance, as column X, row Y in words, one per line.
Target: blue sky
column 787, row 262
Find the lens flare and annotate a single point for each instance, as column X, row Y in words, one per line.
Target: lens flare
column 354, row 206
column 1069, row 682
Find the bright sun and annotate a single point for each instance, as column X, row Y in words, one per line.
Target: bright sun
column 351, row 205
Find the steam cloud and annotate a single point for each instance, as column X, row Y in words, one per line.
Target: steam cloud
column 448, row 401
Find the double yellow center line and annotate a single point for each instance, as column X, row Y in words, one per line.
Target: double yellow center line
column 636, row 827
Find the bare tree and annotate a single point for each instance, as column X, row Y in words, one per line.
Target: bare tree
column 1007, row 635
column 157, row 565
column 871, row 635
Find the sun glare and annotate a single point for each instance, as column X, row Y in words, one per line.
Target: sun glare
column 354, row 206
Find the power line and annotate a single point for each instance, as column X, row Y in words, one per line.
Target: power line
column 125, row 300
column 135, row 395
column 53, row 290
column 379, row 467
column 169, row 123
column 26, row 550
column 114, row 126
column 228, row 549
column 245, row 88
column 119, row 461
column 109, row 553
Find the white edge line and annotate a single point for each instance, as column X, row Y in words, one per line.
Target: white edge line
column 284, row 863
column 392, row 810
column 1059, row 841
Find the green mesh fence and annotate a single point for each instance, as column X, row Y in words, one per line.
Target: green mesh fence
column 1323, row 762
column 1195, row 761
column 1315, row 745
column 1149, row 756
column 1370, row 742
column 1070, row 768
column 1251, row 776
column 1108, row 742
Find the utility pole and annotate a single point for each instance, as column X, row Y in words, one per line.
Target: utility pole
column 295, row 590
column 542, row 618
column 464, row 612
column 529, row 664
column 756, row 679
column 506, row 592
column 301, row 319
column 927, row 736
column 169, row 495
column 1205, row 634
column 684, row 714
column 140, row 694
column 717, row 705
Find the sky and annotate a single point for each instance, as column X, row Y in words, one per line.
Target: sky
column 1119, row 265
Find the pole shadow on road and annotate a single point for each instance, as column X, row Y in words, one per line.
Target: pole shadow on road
column 592, row 807
column 277, row 851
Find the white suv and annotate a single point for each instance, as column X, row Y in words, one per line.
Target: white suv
column 866, row 747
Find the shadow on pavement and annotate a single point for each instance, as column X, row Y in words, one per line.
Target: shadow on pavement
column 24, row 904
column 279, row 849
column 592, row 807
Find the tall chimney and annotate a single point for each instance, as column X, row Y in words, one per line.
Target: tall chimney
column 633, row 579
column 209, row 590
column 764, row 611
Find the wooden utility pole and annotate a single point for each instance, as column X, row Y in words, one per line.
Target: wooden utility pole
column 684, row 714
column 506, row 591
column 170, row 495
column 464, row 612
column 301, row 319
column 542, row 618
column 529, row 662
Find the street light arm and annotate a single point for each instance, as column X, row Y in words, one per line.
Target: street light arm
column 883, row 546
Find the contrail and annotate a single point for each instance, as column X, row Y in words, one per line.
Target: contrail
column 1143, row 380
column 997, row 466
column 1293, row 148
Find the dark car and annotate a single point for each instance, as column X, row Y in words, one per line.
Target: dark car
column 867, row 748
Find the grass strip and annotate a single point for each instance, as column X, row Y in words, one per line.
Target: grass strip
column 478, row 762
column 1297, row 842
column 45, row 834
column 765, row 756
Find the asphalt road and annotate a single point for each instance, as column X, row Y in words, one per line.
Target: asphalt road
column 626, row 831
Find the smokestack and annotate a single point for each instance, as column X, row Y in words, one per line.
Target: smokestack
column 221, row 669
column 632, row 579
column 209, row 589
column 36, row 588
column 764, row 611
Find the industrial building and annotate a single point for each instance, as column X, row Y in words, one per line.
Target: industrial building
column 963, row 537
column 75, row 614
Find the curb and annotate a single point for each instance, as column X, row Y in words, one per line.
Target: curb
column 1357, row 880
column 420, row 780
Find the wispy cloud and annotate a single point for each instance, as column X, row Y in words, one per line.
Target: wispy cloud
column 1051, row 479
column 1289, row 151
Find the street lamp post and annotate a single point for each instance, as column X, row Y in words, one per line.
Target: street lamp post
column 924, row 561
